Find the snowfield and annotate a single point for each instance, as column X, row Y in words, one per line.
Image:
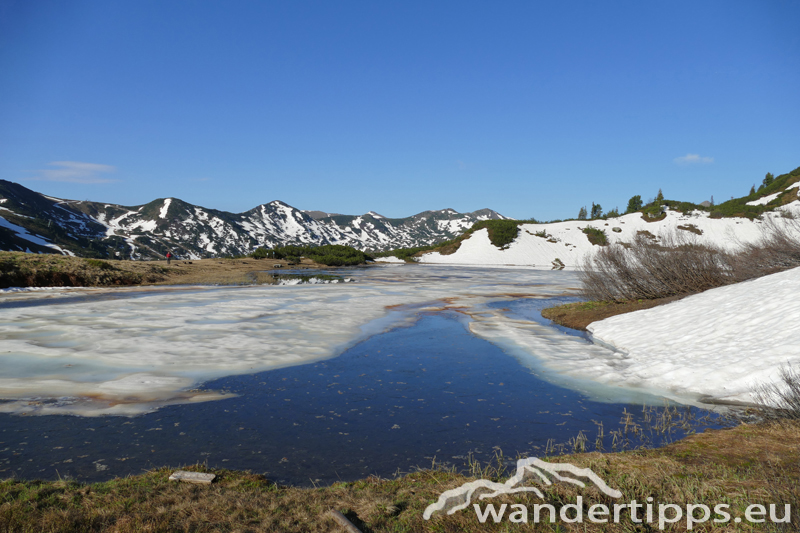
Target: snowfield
column 566, row 241
column 719, row 343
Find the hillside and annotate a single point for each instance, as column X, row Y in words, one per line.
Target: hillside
column 30, row 221
column 565, row 244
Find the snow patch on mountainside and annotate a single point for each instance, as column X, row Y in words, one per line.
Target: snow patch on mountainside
column 163, row 212
column 766, row 199
column 541, row 245
column 35, row 239
column 193, row 232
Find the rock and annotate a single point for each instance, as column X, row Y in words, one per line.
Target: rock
column 192, row 477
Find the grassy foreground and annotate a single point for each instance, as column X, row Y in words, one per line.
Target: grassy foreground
column 750, row 464
column 19, row 269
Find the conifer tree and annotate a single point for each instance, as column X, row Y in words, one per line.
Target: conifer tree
column 634, row 204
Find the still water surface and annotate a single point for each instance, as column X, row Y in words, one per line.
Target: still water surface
column 392, row 403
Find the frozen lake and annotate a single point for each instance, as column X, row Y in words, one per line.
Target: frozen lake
column 303, row 383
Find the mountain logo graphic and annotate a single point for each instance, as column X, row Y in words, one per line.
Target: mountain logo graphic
column 530, row 468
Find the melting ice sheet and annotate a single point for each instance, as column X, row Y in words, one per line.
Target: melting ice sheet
column 127, row 351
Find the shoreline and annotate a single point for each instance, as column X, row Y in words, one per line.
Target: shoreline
column 22, row 270
column 742, row 465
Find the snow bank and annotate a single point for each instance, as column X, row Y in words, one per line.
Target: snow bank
column 718, row 343
column 389, row 259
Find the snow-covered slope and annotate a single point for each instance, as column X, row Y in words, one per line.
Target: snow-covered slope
column 37, row 223
column 719, row 343
column 546, row 245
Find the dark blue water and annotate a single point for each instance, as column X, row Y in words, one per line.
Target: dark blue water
column 390, row 404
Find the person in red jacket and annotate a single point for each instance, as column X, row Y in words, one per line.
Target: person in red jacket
column 169, row 257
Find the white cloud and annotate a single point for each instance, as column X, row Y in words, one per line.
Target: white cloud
column 76, row 172
column 693, row 159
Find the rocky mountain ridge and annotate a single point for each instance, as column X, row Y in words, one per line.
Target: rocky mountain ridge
column 34, row 222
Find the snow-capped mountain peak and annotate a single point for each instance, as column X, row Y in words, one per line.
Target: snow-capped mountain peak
column 30, row 221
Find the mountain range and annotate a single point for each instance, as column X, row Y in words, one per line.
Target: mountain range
column 34, row 222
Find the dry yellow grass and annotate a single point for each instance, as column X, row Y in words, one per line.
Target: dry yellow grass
column 578, row 315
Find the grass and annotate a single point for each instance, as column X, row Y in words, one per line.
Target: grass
column 18, row 269
column 745, row 465
column 580, row 314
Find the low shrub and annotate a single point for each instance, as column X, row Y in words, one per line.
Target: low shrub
column 501, row 232
column 691, row 228
column 260, row 253
column 596, row 236
column 409, row 254
column 678, row 266
column 329, row 254
column 776, row 251
column 781, row 400
column 648, row 270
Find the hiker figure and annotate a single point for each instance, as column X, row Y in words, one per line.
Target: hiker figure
column 169, row 257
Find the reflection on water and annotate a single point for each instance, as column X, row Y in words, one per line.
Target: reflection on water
column 391, row 403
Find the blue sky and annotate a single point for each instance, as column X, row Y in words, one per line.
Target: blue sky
column 529, row 108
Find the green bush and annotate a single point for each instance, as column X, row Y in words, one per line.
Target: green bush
column 260, row 253
column 328, row 254
column 501, row 232
column 407, row 254
column 596, row 236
